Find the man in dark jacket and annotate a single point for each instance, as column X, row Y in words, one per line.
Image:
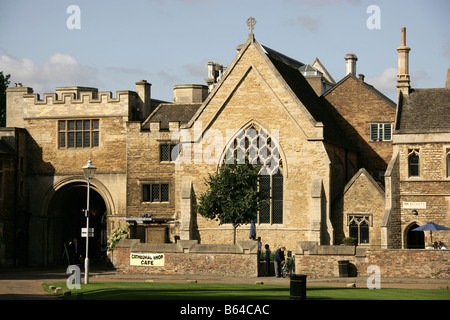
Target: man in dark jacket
column 277, row 260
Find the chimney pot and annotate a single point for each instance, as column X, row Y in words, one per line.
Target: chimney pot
column 361, row 77
column 403, row 79
column 351, row 59
column 403, row 37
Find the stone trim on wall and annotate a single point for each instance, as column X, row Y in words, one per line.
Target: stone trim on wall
column 322, row 261
column 187, row 257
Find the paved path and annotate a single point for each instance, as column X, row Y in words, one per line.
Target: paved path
column 27, row 284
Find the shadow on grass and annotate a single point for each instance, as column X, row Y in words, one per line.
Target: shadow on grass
column 208, row 291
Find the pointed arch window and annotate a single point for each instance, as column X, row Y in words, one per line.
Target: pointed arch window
column 359, row 227
column 255, row 145
column 413, row 163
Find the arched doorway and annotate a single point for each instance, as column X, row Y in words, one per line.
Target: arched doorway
column 66, row 213
column 414, row 239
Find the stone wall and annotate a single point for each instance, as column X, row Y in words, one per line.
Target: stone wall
column 322, row 261
column 187, row 257
column 362, row 197
column 354, row 94
column 430, row 188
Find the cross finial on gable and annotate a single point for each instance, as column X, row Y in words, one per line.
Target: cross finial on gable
column 251, row 24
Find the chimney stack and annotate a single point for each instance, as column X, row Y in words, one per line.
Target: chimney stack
column 403, row 80
column 143, row 100
column 351, row 59
column 215, row 73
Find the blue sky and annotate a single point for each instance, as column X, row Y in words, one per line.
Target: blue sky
column 169, row 42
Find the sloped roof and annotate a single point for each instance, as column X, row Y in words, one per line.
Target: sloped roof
column 167, row 112
column 424, row 111
column 283, row 58
column 364, row 172
column 319, row 66
column 365, row 84
column 316, row 107
column 288, row 68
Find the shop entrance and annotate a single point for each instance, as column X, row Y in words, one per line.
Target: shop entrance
column 66, row 218
column 415, row 239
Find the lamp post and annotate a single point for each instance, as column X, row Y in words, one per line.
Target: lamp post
column 89, row 171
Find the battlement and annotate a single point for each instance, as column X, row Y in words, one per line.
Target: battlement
column 156, row 126
column 79, row 95
column 77, row 101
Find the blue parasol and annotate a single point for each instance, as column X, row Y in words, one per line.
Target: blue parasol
column 252, row 230
column 431, row 226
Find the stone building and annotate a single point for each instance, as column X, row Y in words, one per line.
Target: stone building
column 323, row 147
column 14, row 196
column 418, row 177
column 264, row 94
column 63, row 130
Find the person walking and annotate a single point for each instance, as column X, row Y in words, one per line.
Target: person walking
column 267, row 259
column 277, row 260
column 75, row 252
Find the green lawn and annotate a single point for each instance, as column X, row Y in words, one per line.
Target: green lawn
column 213, row 291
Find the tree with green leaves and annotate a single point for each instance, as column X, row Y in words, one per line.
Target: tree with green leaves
column 4, row 82
column 232, row 195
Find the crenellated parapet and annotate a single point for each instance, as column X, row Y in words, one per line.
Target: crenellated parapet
column 80, row 95
column 159, row 133
column 76, row 101
column 168, row 119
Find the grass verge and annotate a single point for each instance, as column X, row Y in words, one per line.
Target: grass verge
column 225, row 291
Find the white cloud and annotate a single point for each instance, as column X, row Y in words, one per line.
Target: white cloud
column 309, row 23
column 386, row 80
column 59, row 70
column 197, row 70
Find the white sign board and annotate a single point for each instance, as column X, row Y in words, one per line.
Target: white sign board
column 147, row 259
column 84, row 232
column 414, row 205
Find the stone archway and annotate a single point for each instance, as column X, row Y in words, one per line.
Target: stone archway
column 414, row 239
column 66, row 217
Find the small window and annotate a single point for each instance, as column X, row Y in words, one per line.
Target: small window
column 157, row 192
column 381, row 131
column 359, row 227
column 413, row 163
column 169, row 152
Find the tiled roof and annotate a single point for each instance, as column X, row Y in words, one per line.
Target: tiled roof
column 168, row 112
column 318, row 108
column 424, row 111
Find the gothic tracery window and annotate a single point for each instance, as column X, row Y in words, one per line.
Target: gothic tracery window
column 358, row 227
column 257, row 147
